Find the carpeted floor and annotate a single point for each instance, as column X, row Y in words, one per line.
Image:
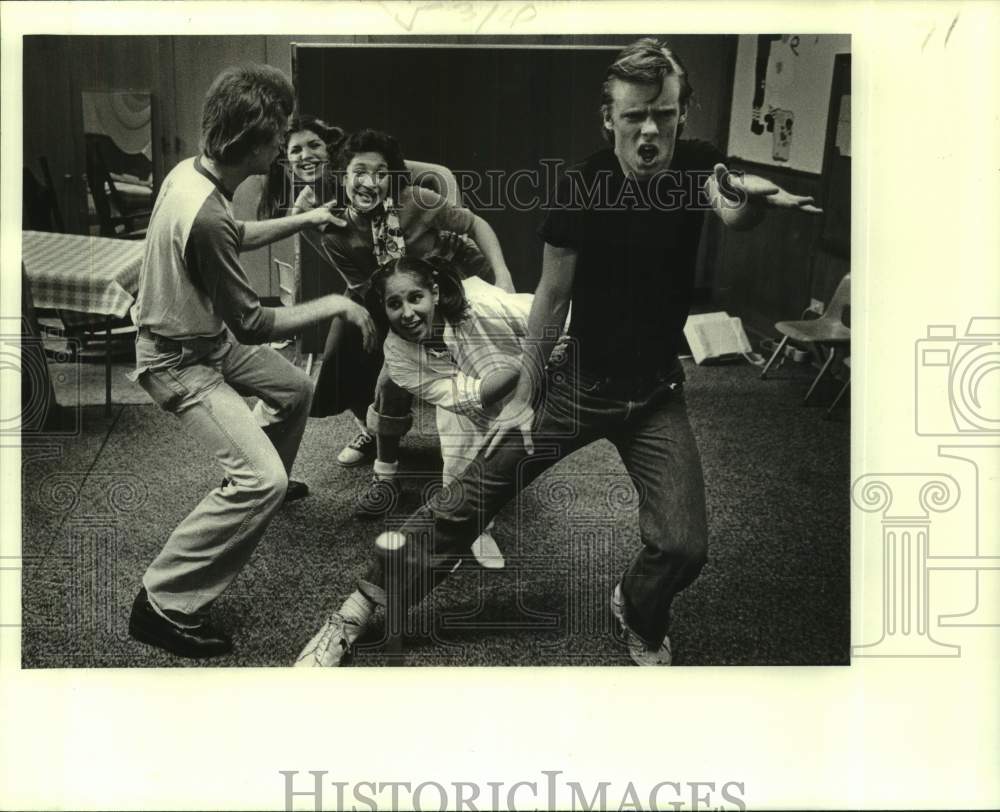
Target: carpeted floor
column 98, row 505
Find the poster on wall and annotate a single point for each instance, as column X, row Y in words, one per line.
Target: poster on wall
column 781, row 98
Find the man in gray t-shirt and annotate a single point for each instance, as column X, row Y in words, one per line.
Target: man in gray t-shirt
column 201, row 347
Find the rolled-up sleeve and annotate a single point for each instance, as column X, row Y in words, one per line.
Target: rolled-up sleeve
column 440, row 214
column 445, row 386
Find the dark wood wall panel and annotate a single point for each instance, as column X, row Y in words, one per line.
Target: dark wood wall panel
column 764, row 275
column 770, row 274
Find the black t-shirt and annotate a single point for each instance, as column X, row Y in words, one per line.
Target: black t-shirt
column 636, row 247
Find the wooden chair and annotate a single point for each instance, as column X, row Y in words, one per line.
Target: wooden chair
column 115, row 216
column 828, row 332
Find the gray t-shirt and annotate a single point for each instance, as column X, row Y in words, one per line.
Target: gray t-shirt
column 192, row 284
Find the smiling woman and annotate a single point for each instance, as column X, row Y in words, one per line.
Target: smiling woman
column 455, row 344
column 368, row 179
column 307, row 154
column 309, row 145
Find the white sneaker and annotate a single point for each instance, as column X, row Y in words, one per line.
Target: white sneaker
column 329, row 645
column 360, row 449
column 640, row 653
column 487, row 552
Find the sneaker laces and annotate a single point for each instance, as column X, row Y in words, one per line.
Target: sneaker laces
column 360, row 440
column 334, row 624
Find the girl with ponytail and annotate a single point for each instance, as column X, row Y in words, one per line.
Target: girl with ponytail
column 454, row 343
column 457, row 344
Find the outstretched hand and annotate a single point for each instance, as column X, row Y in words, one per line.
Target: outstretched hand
column 319, row 216
column 517, row 414
column 767, row 192
column 305, row 201
column 361, row 318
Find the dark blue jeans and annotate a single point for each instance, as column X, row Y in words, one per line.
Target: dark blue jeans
column 646, row 420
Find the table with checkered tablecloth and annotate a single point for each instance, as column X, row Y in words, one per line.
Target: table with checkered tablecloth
column 90, row 281
column 70, row 272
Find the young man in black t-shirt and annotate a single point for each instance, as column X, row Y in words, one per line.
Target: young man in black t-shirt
column 620, row 243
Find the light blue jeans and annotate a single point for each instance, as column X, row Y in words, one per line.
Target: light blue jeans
column 202, row 382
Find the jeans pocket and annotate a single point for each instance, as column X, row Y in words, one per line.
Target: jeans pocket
column 166, row 390
column 156, row 354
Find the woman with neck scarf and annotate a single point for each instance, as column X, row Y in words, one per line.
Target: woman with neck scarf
column 387, row 217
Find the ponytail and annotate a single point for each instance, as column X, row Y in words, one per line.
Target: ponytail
column 451, row 293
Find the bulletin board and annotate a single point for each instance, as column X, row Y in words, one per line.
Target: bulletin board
column 781, row 98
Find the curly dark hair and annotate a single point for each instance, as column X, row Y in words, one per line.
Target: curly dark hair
column 282, row 186
column 368, row 140
column 331, row 134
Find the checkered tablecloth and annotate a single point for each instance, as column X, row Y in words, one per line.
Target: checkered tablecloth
column 84, row 274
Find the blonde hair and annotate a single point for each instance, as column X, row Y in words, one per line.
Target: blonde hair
column 647, row 61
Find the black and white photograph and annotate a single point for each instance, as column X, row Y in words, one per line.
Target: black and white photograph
column 461, row 351
column 390, row 388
